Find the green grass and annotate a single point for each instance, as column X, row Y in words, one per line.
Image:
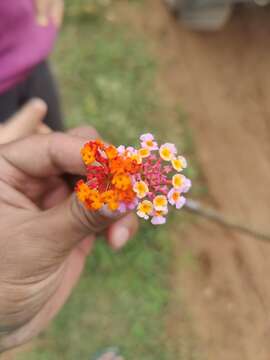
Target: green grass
column 107, row 80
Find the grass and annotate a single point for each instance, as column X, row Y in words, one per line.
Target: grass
column 107, row 80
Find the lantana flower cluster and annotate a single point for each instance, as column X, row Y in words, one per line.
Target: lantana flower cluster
column 148, row 179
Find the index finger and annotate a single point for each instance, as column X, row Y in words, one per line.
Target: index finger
column 25, row 121
column 45, row 155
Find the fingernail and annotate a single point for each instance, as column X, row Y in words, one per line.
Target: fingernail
column 120, row 236
column 42, row 20
column 38, row 104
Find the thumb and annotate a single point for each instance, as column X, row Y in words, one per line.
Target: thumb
column 70, row 222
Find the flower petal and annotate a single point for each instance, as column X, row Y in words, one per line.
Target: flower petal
column 158, row 220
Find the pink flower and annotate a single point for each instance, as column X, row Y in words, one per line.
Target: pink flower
column 133, row 205
column 179, row 163
column 168, row 169
column 172, row 147
column 153, row 179
column 148, row 141
column 167, row 151
column 131, row 151
column 141, row 189
column 122, row 208
column 175, row 198
column 160, row 203
column 121, row 149
column 187, row 185
column 159, row 218
column 145, row 209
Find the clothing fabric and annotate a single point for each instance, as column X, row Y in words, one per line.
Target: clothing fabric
column 23, row 43
column 39, row 83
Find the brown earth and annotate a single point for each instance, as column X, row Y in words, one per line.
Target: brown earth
column 222, row 80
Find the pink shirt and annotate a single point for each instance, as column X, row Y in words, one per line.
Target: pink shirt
column 23, row 43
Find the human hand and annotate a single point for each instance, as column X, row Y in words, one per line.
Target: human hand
column 27, row 121
column 45, row 233
column 49, row 9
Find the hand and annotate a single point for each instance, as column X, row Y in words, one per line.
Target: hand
column 27, row 121
column 46, row 233
column 47, row 10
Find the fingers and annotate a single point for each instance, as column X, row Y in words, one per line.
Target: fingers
column 43, row 129
column 42, row 11
column 57, row 12
column 56, row 192
column 122, row 230
column 49, row 9
column 68, row 223
column 45, row 155
column 42, row 156
column 111, row 355
column 25, row 122
column 86, row 132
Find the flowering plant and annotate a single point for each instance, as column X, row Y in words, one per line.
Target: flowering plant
column 147, row 179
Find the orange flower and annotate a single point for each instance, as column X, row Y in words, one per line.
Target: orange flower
column 94, row 201
column 88, row 153
column 118, row 178
column 131, row 165
column 111, row 199
column 121, row 181
column 90, row 197
column 127, row 196
column 82, row 190
column 111, row 152
column 116, row 164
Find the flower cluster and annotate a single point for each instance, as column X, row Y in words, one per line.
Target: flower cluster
column 124, row 178
column 109, row 178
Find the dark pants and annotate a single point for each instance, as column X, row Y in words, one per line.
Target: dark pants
column 39, row 83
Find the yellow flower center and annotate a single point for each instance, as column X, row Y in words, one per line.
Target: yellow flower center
column 177, row 181
column 146, row 207
column 88, row 155
column 166, row 154
column 160, row 201
column 137, row 158
column 177, row 164
column 144, row 152
column 121, row 181
column 141, row 189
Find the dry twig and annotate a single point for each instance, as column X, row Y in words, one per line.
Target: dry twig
column 197, row 208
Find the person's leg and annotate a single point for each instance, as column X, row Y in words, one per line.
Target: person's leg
column 41, row 83
column 9, row 104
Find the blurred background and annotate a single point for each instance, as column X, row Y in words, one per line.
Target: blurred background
column 195, row 73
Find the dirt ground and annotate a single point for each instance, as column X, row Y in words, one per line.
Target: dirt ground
column 222, row 80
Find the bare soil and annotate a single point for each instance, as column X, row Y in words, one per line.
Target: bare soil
column 222, row 80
